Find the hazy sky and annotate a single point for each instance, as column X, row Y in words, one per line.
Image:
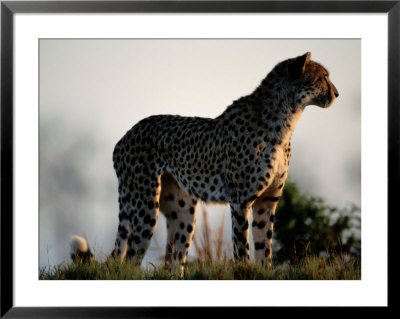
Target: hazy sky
column 93, row 91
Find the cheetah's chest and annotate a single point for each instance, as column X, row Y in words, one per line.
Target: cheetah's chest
column 276, row 168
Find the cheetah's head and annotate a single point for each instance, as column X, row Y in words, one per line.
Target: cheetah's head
column 311, row 82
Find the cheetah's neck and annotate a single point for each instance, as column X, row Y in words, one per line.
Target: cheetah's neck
column 278, row 108
column 270, row 107
column 279, row 118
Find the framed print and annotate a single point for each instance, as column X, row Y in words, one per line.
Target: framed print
column 114, row 111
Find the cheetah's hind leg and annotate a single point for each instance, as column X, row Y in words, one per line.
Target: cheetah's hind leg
column 138, row 216
column 180, row 210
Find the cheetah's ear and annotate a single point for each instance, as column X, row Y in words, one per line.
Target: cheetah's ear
column 298, row 65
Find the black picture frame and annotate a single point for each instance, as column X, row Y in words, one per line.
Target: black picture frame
column 9, row 8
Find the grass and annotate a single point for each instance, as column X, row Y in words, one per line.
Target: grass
column 311, row 268
column 212, row 262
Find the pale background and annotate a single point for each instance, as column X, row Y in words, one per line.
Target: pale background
column 93, row 91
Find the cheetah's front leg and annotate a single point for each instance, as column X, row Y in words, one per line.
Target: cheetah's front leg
column 240, row 232
column 262, row 227
column 180, row 210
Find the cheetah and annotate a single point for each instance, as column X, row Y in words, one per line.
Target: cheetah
column 240, row 158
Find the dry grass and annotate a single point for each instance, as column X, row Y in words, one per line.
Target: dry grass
column 209, row 245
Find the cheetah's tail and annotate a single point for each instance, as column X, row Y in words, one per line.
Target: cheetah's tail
column 80, row 250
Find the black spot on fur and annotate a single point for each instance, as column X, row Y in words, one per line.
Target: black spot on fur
column 258, row 246
column 147, row 219
column 183, row 239
column 145, row 233
column 261, row 224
